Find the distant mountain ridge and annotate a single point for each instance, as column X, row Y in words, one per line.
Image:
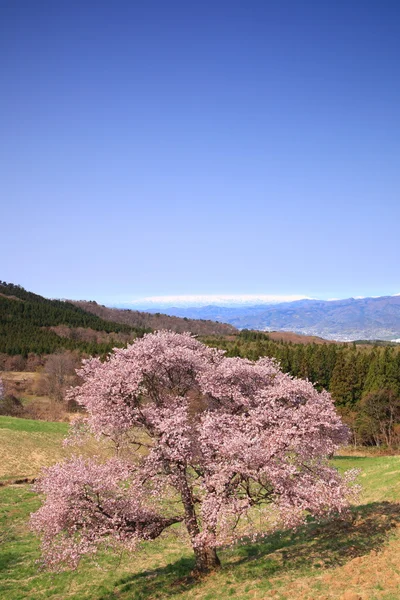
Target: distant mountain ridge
column 342, row 320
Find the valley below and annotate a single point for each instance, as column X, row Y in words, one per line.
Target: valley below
column 339, row 320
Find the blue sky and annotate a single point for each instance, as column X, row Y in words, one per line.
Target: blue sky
column 167, row 148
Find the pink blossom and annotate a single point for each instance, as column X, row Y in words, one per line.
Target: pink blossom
column 225, row 436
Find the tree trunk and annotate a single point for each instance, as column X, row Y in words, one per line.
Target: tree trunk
column 206, row 559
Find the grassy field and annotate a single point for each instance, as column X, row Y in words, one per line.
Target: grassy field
column 338, row 560
column 26, row 446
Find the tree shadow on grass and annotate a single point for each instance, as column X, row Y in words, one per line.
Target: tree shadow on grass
column 9, row 560
column 317, row 545
column 328, row 544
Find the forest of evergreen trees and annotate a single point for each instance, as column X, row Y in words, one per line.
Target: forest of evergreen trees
column 26, row 320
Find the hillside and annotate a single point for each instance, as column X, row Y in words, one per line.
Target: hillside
column 30, row 323
column 342, row 320
column 145, row 320
column 297, row 338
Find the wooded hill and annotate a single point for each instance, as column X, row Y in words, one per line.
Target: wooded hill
column 32, row 324
column 145, row 320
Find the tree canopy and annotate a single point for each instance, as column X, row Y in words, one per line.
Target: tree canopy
column 201, row 439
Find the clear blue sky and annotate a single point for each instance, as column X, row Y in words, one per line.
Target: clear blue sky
column 212, row 147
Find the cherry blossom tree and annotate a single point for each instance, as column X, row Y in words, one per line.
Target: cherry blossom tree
column 200, row 439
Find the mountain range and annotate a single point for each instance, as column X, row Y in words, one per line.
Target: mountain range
column 341, row 320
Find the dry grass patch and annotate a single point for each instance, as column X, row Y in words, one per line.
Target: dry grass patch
column 20, row 376
column 26, row 446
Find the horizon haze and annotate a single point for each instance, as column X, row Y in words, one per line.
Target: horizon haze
column 220, row 300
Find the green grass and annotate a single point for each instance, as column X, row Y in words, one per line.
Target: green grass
column 32, row 426
column 379, row 477
column 319, row 561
